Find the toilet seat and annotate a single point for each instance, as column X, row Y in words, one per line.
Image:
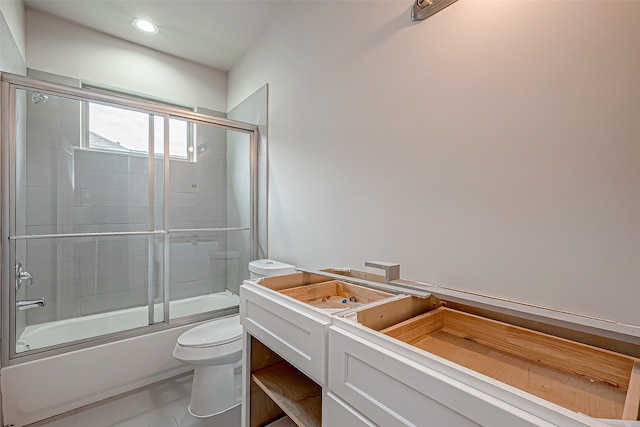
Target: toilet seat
column 207, row 335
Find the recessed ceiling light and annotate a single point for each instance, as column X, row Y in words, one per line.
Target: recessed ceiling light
column 145, row 26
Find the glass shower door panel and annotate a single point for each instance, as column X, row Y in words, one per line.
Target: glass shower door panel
column 238, row 180
column 208, row 196
column 237, row 258
column 198, row 274
column 73, row 176
column 198, row 184
column 91, row 287
column 239, row 208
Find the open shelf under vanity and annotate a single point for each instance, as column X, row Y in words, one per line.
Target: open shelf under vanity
column 281, row 395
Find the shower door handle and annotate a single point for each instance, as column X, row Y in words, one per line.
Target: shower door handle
column 22, row 275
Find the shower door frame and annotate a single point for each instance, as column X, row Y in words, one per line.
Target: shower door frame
column 8, row 86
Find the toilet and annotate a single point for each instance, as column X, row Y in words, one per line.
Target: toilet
column 215, row 350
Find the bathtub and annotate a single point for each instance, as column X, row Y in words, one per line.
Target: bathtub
column 63, row 331
column 39, row 389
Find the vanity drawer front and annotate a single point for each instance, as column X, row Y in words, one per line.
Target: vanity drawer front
column 395, row 391
column 294, row 334
column 338, row 413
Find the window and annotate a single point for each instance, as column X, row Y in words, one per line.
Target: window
column 118, row 129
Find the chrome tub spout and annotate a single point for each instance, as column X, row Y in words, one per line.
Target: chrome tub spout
column 30, row 303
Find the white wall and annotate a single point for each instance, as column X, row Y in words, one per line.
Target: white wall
column 12, row 37
column 13, row 12
column 64, row 48
column 494, row 147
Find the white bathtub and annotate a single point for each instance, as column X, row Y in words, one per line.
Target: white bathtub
column 63, row 331
column 39, row 389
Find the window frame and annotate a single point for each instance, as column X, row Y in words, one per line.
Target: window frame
column 85, row 116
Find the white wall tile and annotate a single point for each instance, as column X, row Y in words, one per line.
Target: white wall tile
column 48, row 177
column 49, row 196
column 92, row 179
column 110, row 266
column 59, row 271
column 112, row 301
column 102, row 162
column 48, row 157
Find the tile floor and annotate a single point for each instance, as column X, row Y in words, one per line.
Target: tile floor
column 159, row 405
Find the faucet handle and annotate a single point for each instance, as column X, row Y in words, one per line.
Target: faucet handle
column 391, row 270
column 22, row 275
column 25, row 275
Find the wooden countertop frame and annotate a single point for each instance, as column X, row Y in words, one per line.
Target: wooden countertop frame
column 582, row 378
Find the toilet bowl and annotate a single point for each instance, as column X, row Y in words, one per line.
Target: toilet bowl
column 215, row 350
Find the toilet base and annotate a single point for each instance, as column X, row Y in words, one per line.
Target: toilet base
column 230, row 418
column 215, row 389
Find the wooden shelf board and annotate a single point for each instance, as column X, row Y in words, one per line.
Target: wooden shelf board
column 298, row 396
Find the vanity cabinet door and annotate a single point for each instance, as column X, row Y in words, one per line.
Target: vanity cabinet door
column 298, row 336
column 392, row 390
column 337, row 413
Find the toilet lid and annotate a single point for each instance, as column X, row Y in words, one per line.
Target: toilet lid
column 213, row 333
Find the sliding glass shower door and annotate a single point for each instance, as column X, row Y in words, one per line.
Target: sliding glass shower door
column 210, row 220
column 118, row 215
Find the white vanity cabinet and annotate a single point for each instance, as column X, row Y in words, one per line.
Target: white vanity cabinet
column 451, row 367
column 328, row 351
column 335, row 412
column 296, row 333
column 291, row 315
column 286, row 321
column 394, row 390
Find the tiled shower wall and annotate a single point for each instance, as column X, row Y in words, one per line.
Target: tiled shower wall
column 72, row 190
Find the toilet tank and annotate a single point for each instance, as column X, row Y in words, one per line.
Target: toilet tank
column 269, row 268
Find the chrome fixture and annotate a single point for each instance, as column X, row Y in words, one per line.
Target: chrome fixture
column 22, row 275
column 37, row 97
column 391, row 270
column 26, row 304
column 422, row 9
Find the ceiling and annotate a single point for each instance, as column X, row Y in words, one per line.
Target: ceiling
column 211, row 32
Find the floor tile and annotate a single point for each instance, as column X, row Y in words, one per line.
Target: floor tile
column 163, row 404
column 107, row 413
column 159, row 405
column 163, row 414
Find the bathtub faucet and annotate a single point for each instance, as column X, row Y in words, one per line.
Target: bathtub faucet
column 22, row 275
column 26, row 304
